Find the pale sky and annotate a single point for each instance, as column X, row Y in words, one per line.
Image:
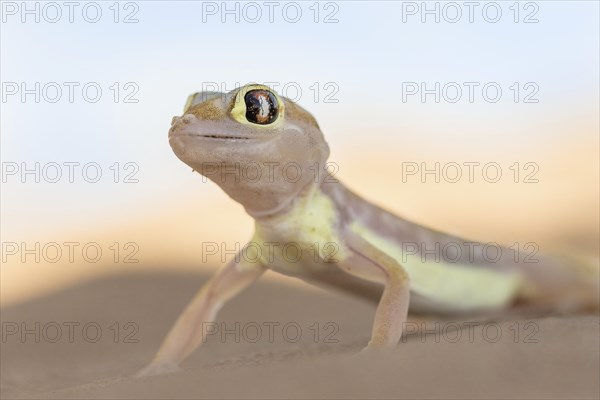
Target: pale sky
column 362, row 62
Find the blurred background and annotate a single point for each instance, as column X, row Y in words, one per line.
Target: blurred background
column 353, row 65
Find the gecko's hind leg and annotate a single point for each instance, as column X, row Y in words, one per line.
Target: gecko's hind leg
column 367, row 262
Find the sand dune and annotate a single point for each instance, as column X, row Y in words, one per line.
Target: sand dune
column 307, row 348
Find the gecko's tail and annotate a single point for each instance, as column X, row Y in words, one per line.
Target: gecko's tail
column 566, row 285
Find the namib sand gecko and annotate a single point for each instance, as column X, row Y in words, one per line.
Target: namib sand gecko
column 347, row 242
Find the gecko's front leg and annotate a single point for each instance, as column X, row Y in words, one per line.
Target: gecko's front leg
column 187, row 333
column 367, row 262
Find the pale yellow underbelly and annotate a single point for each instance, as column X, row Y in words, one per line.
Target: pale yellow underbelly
column 439, row 286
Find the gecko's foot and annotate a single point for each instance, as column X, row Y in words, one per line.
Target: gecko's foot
column 374, row 349
column 368, row 351
column 154, row 369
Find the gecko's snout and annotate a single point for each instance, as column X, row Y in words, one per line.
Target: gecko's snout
column 178, row 122
column 187, row 118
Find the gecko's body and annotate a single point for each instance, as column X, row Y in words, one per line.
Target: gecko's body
column 309, row 226
column 309, row 245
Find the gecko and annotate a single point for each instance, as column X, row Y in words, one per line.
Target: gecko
column 269, row 154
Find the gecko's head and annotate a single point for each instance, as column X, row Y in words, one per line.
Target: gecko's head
column 261, row 148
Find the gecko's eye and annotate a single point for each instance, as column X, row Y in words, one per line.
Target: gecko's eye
column 259, row 106
column 262, row 107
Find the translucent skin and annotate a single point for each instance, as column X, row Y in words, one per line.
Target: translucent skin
column 278, row 173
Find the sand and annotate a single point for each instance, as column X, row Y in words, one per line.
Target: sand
column 527, row 357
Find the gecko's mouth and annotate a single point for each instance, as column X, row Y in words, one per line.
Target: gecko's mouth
column 224, row 137
column 214, row 136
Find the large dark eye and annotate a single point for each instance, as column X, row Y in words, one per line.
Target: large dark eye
column 261, row 107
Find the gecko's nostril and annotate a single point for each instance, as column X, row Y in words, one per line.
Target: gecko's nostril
column 174, row 120
column 187, row 118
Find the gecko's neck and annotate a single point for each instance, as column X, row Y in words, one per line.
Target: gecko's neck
column 310, row 218
column 295, row 202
